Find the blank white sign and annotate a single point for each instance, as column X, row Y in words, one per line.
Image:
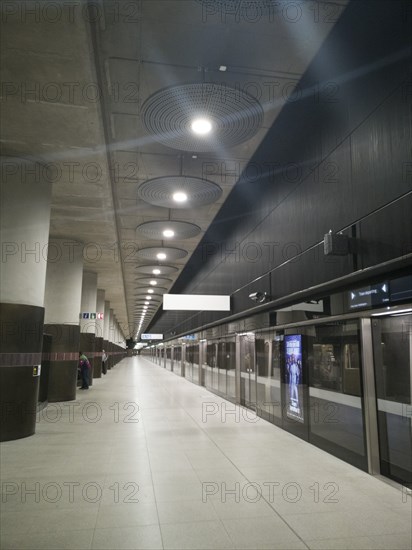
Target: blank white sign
column 196, row 302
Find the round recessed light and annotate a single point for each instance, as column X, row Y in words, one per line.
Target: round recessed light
column 146, row 303
column 148, row 297
column 153, row 283
column 168, row 233
column 150, row 291
column 161, row 256
column 201, row 126
column 179, row 196
column 156, row 272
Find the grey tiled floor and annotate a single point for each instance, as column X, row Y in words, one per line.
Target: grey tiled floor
column 136, row 463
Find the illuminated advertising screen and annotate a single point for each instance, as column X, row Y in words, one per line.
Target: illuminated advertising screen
column 293, row 377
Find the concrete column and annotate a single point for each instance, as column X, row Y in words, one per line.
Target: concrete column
column 106, row 332
column 88, row 324
column 111, row 339
column 24, row 232
column 99, row 332
column 116, row 357
column 62, row 303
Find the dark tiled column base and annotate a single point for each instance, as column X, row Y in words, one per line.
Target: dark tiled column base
column 21, row 345
column 97, row 367
column 64, row 357
column 87, row 344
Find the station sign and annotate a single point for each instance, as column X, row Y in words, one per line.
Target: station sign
column 369, row 296
column 148, row 336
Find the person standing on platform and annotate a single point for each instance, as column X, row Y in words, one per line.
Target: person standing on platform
column 84, row 370
column 104, row 362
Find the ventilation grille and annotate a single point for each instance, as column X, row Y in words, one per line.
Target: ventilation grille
column 168, row 115
column 148, row 269
column 160, row 191
column 151, row 253
column 146, row 281
column 154, row 230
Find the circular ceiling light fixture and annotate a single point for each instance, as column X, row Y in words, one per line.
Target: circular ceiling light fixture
column 171, row 116
column 148, row 297
column 201, row 126
column 250, row 10
column 175, row 191
column 153, row 269
column 162, row 252
column 159, row 229
column 150, row 291
column 144, row 281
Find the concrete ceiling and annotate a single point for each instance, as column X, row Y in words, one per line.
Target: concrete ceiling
column 75, row 78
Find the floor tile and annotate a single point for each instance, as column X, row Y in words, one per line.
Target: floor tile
column 174, row 480
column 128, row 538
column 208, row 535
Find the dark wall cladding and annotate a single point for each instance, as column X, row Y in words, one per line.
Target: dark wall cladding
column 338, row 157
column 387, row 234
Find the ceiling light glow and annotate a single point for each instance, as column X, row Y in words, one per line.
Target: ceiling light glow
column 179, row 197
column 161, row 256
column 168, row 233
column 201, row 126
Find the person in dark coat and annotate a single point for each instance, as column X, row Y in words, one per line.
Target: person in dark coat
column 84, row 370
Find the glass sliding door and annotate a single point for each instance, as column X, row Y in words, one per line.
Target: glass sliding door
column 335, row 391
column 392, row 351
column 189, row 362
column 195, row 364
column 177, row 360
column 230, row 363
column 247, row 370
column 211, row 366
column 268, row 371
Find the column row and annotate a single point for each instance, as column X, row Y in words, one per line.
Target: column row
column 50, row 307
